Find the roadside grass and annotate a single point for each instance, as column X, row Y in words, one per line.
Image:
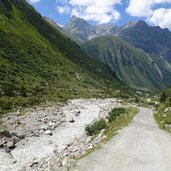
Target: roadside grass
column 124, row 117
column 96, row 127
column 162, row 113
column 163, row 118
column 123, row 120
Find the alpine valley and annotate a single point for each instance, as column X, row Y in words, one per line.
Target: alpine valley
column 67, row 90
column 42, row 64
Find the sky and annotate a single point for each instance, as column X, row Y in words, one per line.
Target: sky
column 119, row 12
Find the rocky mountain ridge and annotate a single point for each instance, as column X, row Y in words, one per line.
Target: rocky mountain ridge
column 152, row 39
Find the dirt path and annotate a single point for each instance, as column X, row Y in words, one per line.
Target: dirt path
column 140, row 147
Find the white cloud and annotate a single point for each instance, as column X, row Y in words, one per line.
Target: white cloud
column 63, row 9
column 145, row 8
column 81, row 2
column 140, row 8
column 100, row 11
column 34, row 1
column 161, row 17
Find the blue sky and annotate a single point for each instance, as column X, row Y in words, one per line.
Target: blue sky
column 155, row 12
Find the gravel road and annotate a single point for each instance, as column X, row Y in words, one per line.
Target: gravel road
column 142, row 146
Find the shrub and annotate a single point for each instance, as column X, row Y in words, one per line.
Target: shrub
column 5, row 104
column 115, row 113
column 96, row 127
column 163, row 97
column 168, row 102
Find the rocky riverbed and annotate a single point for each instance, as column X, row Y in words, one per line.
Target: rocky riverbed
column 46, row 138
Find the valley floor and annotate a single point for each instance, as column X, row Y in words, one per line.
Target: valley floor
column 52, row 133
column 142, row 146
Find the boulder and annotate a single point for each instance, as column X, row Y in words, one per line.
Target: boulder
column 52, row 124
column 44, row 127
column 167, row 126
column 10, row 144
column 48, row 132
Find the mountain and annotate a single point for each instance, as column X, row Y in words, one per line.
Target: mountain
column 152, row 40
column 38, row 63
column 84, row 31
column 80, row 28
column 133, row 66
column 53, row 23
column 63, row 31
column 105, row 29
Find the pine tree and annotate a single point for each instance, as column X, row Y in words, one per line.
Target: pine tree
column 163, row 97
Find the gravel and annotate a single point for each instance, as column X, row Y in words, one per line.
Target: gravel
column 38, row 147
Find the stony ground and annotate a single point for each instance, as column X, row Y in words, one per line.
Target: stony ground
column 42, row 138
column 140, row 147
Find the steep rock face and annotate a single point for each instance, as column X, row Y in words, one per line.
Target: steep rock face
column 131, row 65
column 85, row 31
column 152, row 40
column 105, row 29
column 80, row 28
column 75, row 39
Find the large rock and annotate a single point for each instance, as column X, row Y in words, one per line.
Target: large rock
column 167, row 126
column 44, row 127
column 48, row 132
column 10, row 144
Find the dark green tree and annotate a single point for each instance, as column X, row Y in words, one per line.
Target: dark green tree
column 163, row 97
column 168, row 102
column 23, row 91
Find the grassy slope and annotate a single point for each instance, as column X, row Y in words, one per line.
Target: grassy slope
column 131, row 65
column 38, row 63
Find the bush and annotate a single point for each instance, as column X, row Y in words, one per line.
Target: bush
column 163, row 97
column 115, row 113
column 96, row 127
column 5, row 104
column 168, row 102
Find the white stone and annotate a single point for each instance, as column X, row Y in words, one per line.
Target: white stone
column 10, row 144
column 48, row 132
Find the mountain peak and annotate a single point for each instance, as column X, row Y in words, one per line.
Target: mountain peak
column 77, row 19
column 141, row 23
column 74, row 18
column 80, row 28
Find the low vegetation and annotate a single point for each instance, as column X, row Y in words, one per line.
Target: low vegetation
column 96, row 127
column 117, row 118
column 123, row 117
column 163, row 110
column 115, row 113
